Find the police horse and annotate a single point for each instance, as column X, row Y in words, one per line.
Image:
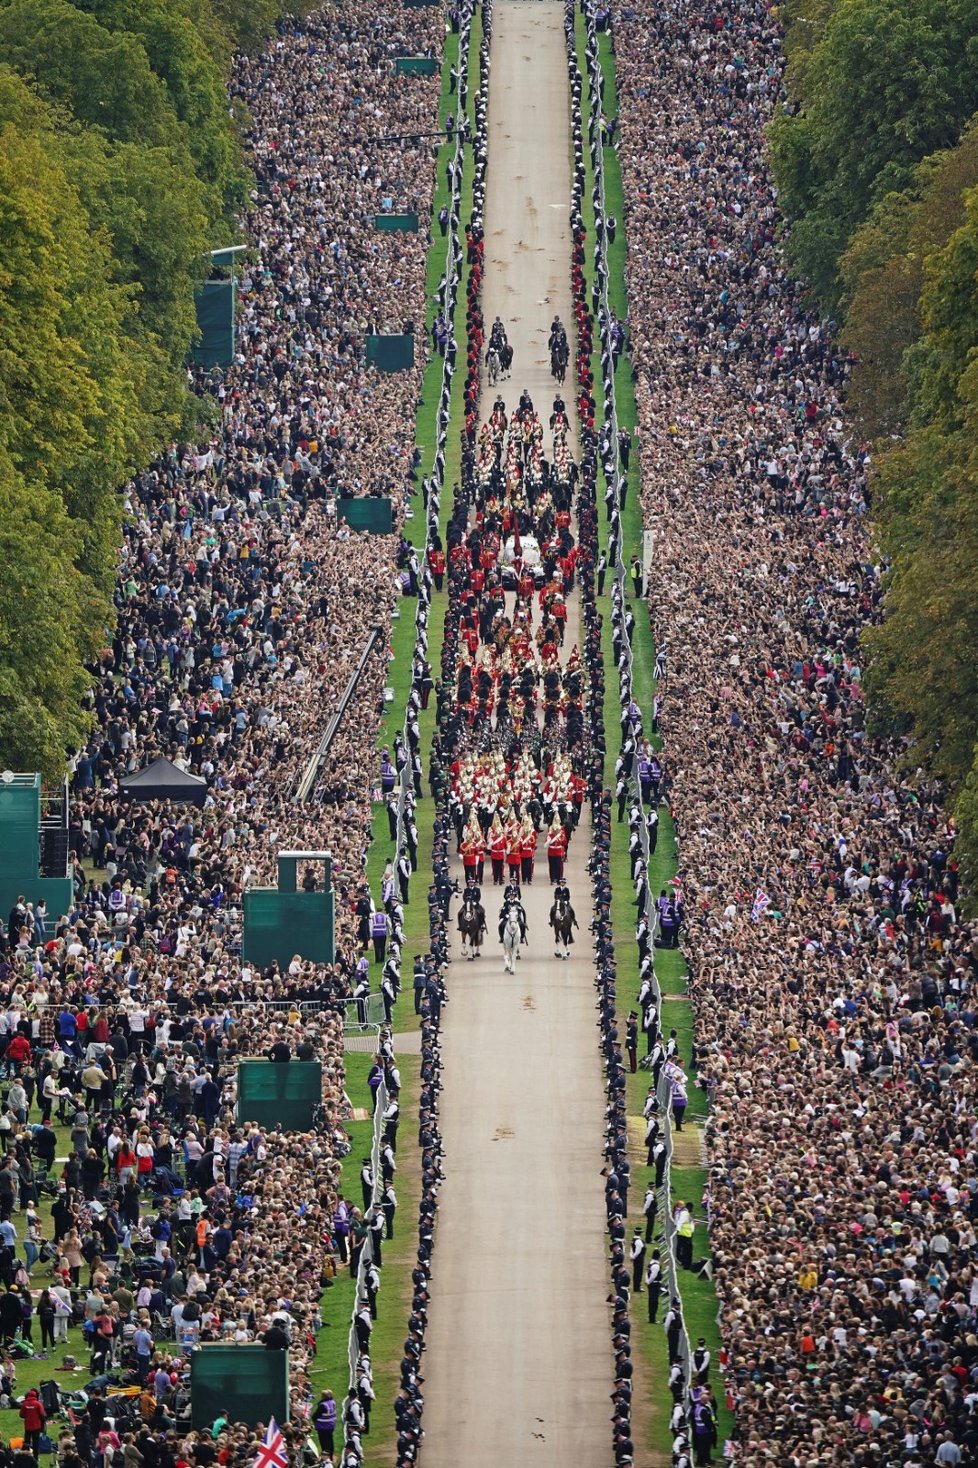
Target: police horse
column 472, row 926
column 563, row 920
column 512, row 938
column 559, row 350
column 494, row 365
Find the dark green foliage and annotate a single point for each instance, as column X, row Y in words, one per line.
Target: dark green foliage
column 884, row 83
column 877, row 159
column 120, row 167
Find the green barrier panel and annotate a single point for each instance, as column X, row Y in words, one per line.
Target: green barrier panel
column 20, row 869
column 406, row 222
column 244, row 1383
column 416, row 65
column 376, row 516
column 278, row 925
column 416, row 4
column 391, row 353
column 279, row 1093
column 215, row 301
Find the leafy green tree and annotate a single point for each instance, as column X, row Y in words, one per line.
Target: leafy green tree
column 156, row 218
column 882, row 275
column 48, row 608
column 949, row 312
column 68, row 393
column 180, row 54
column 103, row 78
column 925, row 664
column 886, row 83
column 248, row 22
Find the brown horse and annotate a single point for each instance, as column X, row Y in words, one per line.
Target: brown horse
column 563, row 921
column 472, row 926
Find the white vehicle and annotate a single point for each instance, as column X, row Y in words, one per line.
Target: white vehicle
column 529, row 551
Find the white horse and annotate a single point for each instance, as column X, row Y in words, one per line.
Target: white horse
column 512, row 938
column 493, row 366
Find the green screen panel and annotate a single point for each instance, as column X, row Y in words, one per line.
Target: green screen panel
column 244, row 1383
column 407, row 223
column 215, row 317
column 416, row 65
column 274, row 1093
column 373, row 515
column 20, row 815
column 391, row 353
column 278, row 925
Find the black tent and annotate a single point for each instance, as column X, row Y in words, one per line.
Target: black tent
column 163, row 781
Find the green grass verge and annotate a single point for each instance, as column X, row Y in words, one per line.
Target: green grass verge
column 331, row 1367
column 396, row 1288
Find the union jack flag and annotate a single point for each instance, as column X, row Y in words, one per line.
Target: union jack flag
column 271, row 1453
column 761, row 901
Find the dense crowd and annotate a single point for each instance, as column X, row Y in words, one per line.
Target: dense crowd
column 171, row 1223
column 830, row 972
column 237, row 631
column 244, row 603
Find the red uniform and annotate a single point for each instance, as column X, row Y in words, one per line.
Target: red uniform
column 556, row 851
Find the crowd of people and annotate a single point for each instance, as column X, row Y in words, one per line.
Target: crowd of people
column 170, row 1223
column 244, row 603
column 237, row 630
column 830, row 971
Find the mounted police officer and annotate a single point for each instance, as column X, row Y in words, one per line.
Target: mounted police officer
column 512, row 898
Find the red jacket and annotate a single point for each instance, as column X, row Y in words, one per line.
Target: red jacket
column 33, row 1414
column 19, row 1048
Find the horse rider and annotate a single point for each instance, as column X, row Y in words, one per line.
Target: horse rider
column 512, row 901
column 512, row 893
column 562, row 893
column 471, row 898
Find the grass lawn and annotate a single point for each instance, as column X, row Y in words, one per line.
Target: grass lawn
column 332, row 1367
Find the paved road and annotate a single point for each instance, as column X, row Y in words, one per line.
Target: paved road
column 518, row 1368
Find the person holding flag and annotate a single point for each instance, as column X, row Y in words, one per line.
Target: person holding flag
column 272, row 1451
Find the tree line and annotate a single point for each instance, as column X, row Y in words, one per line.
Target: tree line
column 875, row 153
column 120, row 166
